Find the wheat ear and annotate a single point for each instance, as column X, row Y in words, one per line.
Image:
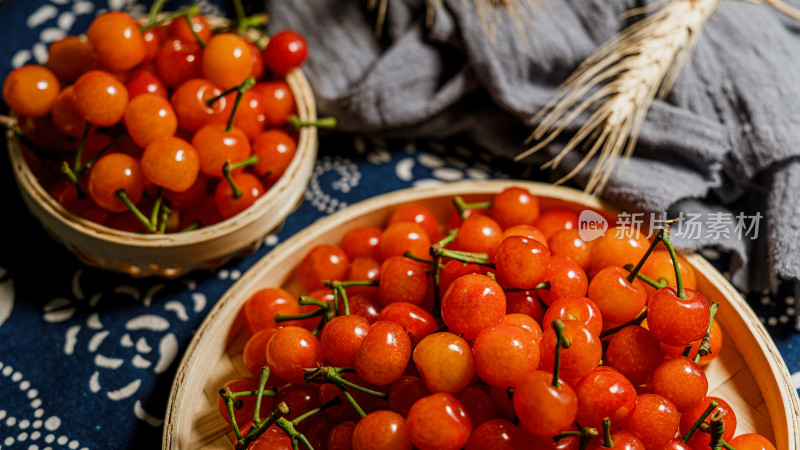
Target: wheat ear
column 618, row 83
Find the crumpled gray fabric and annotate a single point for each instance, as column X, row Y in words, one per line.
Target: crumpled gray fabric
column 724, row 140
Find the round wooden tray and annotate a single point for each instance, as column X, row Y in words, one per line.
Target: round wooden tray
column 174, row 254
column 749, row 372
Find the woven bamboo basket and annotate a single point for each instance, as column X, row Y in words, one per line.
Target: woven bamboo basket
column 174, row 254
column 749, row 373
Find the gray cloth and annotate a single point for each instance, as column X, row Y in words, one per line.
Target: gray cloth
column 725, row 139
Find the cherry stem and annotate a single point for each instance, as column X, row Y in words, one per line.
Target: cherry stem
column 226, row 172
column 154, row 21
column 254, row 21
column 561, row 341
column 322, row 122
column 155, row 8
column 262, row 381
column 643, row 277
column 705, row 344
column 681, row 292
column 90, row 163
column 638, row 267
column 583, row 433
column 79, row 154
column 192, row 226
column 258, row 429
column 127, row 201
column 157, row 206
column 240, row 90
column 352, row 401
column 296, row 436
column 635, row 321
column 306, row 315
column 711, row 406
column 607, row 442
column 165, row 213
column 331, row 403
column 436, row 251
column 227, row 398
column 411, row 255
column 542, row 285
column 237, row 5
column 706, row 428
column 251, row 161
column 66, row 170
column 331, row 375
column 462, row 206
column 717, row 427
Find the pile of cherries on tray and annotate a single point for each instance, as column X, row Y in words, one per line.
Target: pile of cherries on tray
column 182, row 125
column 509, row 331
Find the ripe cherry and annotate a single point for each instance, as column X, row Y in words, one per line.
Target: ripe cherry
column 505, row 354
column 362, row 241
column 751, row 441
column 445, row 362
column 291, row 350
column 701, row 440
column 384, row 354
column 402, row 237
column 341, row 339
column 402, row 280
column 31, row 90
column 190, row 102
column 619, row 300
column 521, row 262
column 676, row 321
column 469, row 294
column 566, row 278
column 341, row 436
column 179, row 28
column 715, row 341
column 479, row 234
column 580, row 358
column 65, row 116
column 635, row 353
column 285, row 51
column 100, row 98
column 244, row 413
column 569, row 243
column 404, row 392
column 604, row 393
column 680, row 381
column 363, row 269
column 69, row 58
column 145, row 82
column 479, row 405
column 524, row 302
column 275, row 150
column 251, row 117
column 417, row 322
column 179, row 61
column 623, row 440
column 278, row 101
column 574, row 307
column 112, row 173
column 525, row 322
column 215, row 145
column 226, row 60
column 261, row 308
column 528, row 231
column 497, row 434
column 655, row 420
column 556, row 220
column 543, row 408
column 117, row 41
column 418, row 214
column 617, row 247
column 438, row 422
column 381, row 430
column 323, row 262
column 150, row 117
column 515, row 206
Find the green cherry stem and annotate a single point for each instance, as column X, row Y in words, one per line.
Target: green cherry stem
column 706, row 428
column 226, row 172
column 254, row 21
column 90, row 163
column 332, row 375
column 638, row 267
column 542, row 285
column 645, row 278
column 239, row 8
column 79, row 154
column 262, row 381
column 155, row 8
column 584, row 432
column 192, row 226
column 67, row 170
column 331, row 403
column 127, row 201
column 295, row 435
column 227, row 398
column 306, row 315
column 352, row 401
column 411, row 255
column 157, row 206
column 322, row 122
column 705, row 344
column 717, row 427
column 200, row 41
column 711, row 406
column 462, row 206
column 240, row 90
column 154, row 21
column 607, row 442
column 681, row 294
column 258, row 429
column 561, row 341
column 635, row 321
column 435, row 252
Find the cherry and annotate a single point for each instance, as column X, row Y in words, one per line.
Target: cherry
column 751, row 441
column 285, row 51
column 363, row 269
column 244, row 413
column 31, row 90
column 655, row 420
column 65, row 193
column 341, row 436
column 150, row 117
column 617, row 247
column 505, row 354
column 524, row 302
column 254, row 354
column 566, row 278
column 64, row 115
column 623, row 440
column 100, row 98
column 417, row 322
column 521, row 262
column 251, row 117
column 323, row 262
column 525, row 322
column 69, row 57
column 680, row 381
column 190, row 102
column 190, row 197
column 454, row 269
column 445, row 362
column 635, row 353
column 384, row 353
column 300, row 398
column 543, row 408
column 117, row 41
column 469, row 294
column 701, row 440
column 341, row 339
column 228, row 204
column 678, row 321
column 569, row 243
column 153, row 37
column 271, row 441
column 258, row 61
column 179, row 61
column 580, row 358
column 549, row 443
column 381, row 430
column 619, row 300
column 575, row 307
column 515, row 206
column 402, row 237
column 261, row 308
column 528, row 231
column 497, row 434
column 659, row 266
column 404, row 392
column 362, row 241
column 215, row 145
column 479, row 234
column 226, row 60
column 278, row 101
column 402, row 280
column 418, row 214
column 604, row 393
column 179, row 28
column 362, row 306
column 556, row 220
column 145, row 82
column 291, row 350
column 479, row 405
column 112, row 173
column 438, row 422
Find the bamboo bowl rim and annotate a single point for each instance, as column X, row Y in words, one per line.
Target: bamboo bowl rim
column 189, row 379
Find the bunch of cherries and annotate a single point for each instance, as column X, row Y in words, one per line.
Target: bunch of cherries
column 507, row 332
column 164, row 126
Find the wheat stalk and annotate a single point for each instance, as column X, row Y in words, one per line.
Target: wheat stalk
column 618, row 82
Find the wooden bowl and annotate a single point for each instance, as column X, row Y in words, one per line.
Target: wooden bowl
column 174, row 254
column 749, row 373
